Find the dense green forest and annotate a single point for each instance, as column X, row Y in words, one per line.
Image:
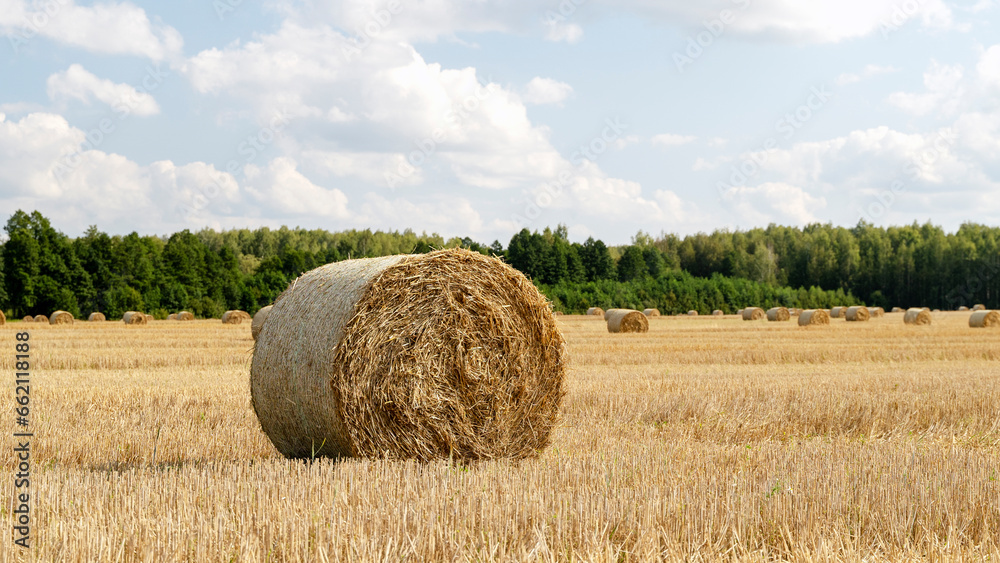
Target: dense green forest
column 208, row 272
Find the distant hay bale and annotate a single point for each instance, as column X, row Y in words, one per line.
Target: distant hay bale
column 258, row 321
column 857, row 314
column 595, row 311
column 811, row 317
column 185, row 316
column 172, row 317
column 556, row 313
column 717, row 313
column 28, row 319
column 918, row 316
column 979, row 307
column 876, row 311
column 41, row 319
column 61, row 318
column 651, row 312
column 627, row 320
column 754, row 314
column 692, row 313
column 778, row 314
column 96, row 317
column 838, row 312
column 134, row 318
column 898, row 310
column 450, row 354
column 984, row 319
column 963, row 308
column 740, row 312
column 235, row 317
column 149, row 318
column 3, row 318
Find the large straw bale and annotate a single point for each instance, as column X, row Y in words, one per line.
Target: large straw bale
column 3, row 319
column 857, row 314
column 595, row 311
column 979, row 307
column 185, row 316
column 838, row 312
column 717, row 313
column 918, row 316
column 96, row 317
column 778, row 314
column 627, row 320
column 984, row 319
column 28, row 319
column 446, row 354
column 754, row 314
column 814, row 317
column 258, row 320
column 876, row 311
column 172, row 317
column 692, row 313
column 134, row 318
column 41, row 319
column 651, row 312
column 235, row 317
column 61, row 318
column 963, row 308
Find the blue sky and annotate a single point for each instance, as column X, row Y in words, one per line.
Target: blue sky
column 478, row 119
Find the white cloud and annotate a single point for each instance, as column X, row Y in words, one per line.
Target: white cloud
column 869, row 71
column 988, row 68
column 76, row 83
column 546, row 91
column 113, row 28
column 568, row 32
column 944, row 92
column 775, row 202
column 281, row 187
column 672, row 140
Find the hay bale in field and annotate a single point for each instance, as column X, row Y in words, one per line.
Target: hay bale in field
column 754, row 314
column 96, row 317
column 235, row 317
column 172, row 317
column 857, row 314
column 898, row 310
column 811, row 317
column 692, row 313
column 651, row 312
column 595, row 311
column 185, row 316
column 61, row 318
column 740, row 312
column 778, row 314
column 134, row 318
column 838, row 312
column 556, row 313
column 258, row 320
column 3, row 318
column 28, row 319
column 979, row 307
column 984, row 319
column 446, row 354
column 963, row 308
column 717, row 313
column 41, row 319
column 149, row 318
column 627, row 320
column 876, row 312
column 918, row 316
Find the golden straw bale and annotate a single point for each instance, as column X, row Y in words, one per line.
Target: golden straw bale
column 984, row 319
column 754, row 314
column 258, row 321
column 898, row 310
column 41, row 319
column 692, row 313
column 627, row 320
column 778, row 314
column 595, row 311
column 918, row 316
column 235, row 317
column 963, row 308
column 134, row 318
column 172, row 317
column 857, row 314
column 3, row 318
column 61, row 318
column 96, row 317
column 838, row 312
column 651, row 312
column 185, row 316
column 717, row 313
column 876, row 311
column 814, row 317
column 28, row 319
column 979, row 307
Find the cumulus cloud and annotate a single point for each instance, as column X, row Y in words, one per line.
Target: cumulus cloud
column 869, row 71
column 672, row 140
column 776, row 202
column 79, row 84
column 944, row 91
column 542, row 91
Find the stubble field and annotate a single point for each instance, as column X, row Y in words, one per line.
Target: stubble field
column 704, row 439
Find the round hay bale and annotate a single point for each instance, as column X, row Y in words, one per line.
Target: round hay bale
column 134, row 318
column 963, row 308
column 556, row 313
column 778, row 314
column 149, row 318
column 258, row 320
column 740, row 312
column 627, row 320
column 172, row 317
column 446, row 354
column 28, row 319
column 918, row 316
column 185, row 316
column 692, row 313
column 898, row 310
column 979, row 307
column 984, row 319
column 838, row 312
column 651, row 312
column 754, row 314
column 595, row 311
column 876, row 312
column 61, row 318
column 857, row 314
column 41, row 319
column 3, row 318
column 814, row 317
column 235, row 317
column 96, row 318
column 717, row 313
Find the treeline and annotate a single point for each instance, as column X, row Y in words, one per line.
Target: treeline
column 208, row 272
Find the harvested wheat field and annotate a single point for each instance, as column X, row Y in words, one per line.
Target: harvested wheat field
column 708, row 440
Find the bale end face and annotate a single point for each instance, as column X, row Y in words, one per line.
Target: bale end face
column 235, row 317
column 61, row 318
column 595, row 311
column 876, row 312
column 3, row 318
column 754, row 314
column 857, row 314
column 979, row 307
column 96, row 317
column 28, row 319
column 258, row 321
column 41, row 319
column 717, row 313
column 838, row 312
column 185, row 316
column 692, row 313
column 917, row 316
column 651, row 312
column 778, row 314
column 984, row 319
column 134, row 318
column 811, row 317
column 627, row 321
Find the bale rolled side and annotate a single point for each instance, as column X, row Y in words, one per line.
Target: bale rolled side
column 258, row 321
column 172, row 317
column 814, row 317
column 185, row 316
column 96, row 317
column 984, row 319
column 979, row 307
column 627, row 320
column 963, row 308
column 754, row 314
column 3, row 318
column 777, row 314
column 740, row 312
column 28, row 319
column 898, row 310
column 134, row 318
column 61, row 318
column 595, row 311
column 692, row 313
column 717, row 313
column 857, row 314
column 838, row 312
column 446, row 354
column 41, row 319
column 918, row 316
column 651, row 312
column 235, row 317
column 876, row 312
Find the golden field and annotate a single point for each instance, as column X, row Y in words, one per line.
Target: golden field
column 705, row 439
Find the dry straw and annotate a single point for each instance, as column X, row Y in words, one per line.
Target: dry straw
column 918, row 316
column 41, row 319
column 595, row 311
column 235, row 317
column 149, row 318
column 3, row 319
column 28, row 319
column 979, row 307
column 446, row 354
column 61, row 318
column 627, row 320
column 778, row 314
column 717, row 313
column 876, row 312
column 740, row 312
column 185, row 316
column 898, row 310
column 172, row 317
column 811, row 317
column 963, row 308
column 984, row 319
column 838, row 312
column 754, row 314
column 134, row 318
column 692, row 313
column 651, row 312
column 857, row 314
column 96, row 317
column 258, row 321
